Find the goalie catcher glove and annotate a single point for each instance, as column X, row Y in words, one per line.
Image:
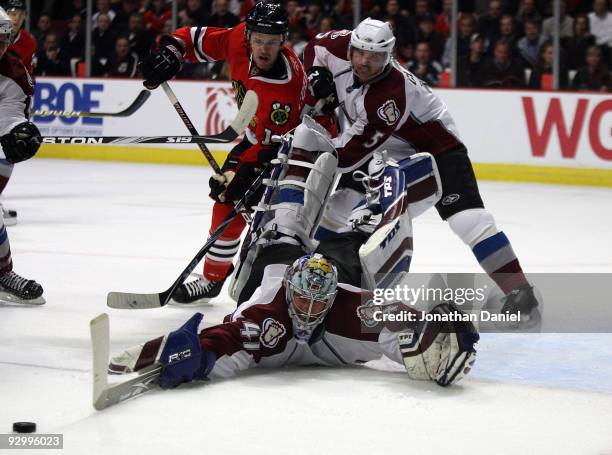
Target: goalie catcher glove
column 21, row 143
column 162, row 64
column 322, row 87
column 182, row 357
column 440, row 351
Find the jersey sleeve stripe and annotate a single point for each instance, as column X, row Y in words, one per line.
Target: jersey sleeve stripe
column 197, row 36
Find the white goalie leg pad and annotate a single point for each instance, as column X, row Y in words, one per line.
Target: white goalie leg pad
column 298, row 206
column 339, row 209
column 313, row 137
column 386, row 256
column 473, row 225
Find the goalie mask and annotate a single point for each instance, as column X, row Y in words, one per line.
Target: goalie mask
column 310, row 285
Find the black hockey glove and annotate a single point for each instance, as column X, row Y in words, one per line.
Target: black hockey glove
column 322, row 87
column 232, row 184
column 21, row 143
column 163, row 63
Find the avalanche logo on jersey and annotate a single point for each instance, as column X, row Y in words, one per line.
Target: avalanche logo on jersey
column 280, row 114
column 389, row 112
column 272, row 332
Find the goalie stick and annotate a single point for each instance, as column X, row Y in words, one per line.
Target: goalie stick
column 136, row 104
column 126, row 300
column 105, row 395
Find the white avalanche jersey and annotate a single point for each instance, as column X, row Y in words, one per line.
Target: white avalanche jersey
column 396, row 111
column 16, row 90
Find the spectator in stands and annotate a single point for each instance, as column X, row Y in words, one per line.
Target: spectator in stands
column 156, row 16
column 469, row 66
column 43, row 26
column 567, row 23
column 295, row 15
column 103, row 37
column 326, row 24
column 507, row 33
column 427, row 33
column 103, row 7
column 221, row 16
column 122, row 63
column 404, row 53
column 600, row 20
column 141, row 39
column 442, row 20
column 502, row 70
column 402, row 29
column 595, row 76
column 467, row 27
column 529, row 45
column 124, row 11
column 528, row 12
column 488, row 25
column 313, row 16
column 544, row 66
column 297, row 39
column 73, row 42
column 196, row 12
column 423, row 66
column 421, row 10
column 51, row 60
column 577, row 45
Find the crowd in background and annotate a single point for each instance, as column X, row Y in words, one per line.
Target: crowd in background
column 501, row 43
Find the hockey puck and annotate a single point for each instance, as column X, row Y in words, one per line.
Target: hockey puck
column 24, row 427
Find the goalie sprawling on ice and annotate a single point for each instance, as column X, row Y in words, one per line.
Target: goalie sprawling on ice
column 314, row 310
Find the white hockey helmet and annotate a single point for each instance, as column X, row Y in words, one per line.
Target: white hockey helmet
column 374, row 36
column 6, row 26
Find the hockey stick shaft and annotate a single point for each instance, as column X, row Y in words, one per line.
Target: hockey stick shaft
column 80, row 140
column 142, row 97
column 142, row 301
column 192, row 130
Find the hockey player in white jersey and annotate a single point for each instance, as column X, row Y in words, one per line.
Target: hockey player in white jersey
column 19, row 141
column 303, row 314
column 391, row 110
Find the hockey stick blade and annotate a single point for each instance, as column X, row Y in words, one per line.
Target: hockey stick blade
column 125, row 300
column 103, row 394
column 142, row 97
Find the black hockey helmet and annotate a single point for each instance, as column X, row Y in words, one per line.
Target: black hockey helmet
column 15, row 4
column 269, row 18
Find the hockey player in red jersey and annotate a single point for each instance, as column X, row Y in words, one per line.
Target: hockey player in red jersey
column 259, row 60
column 22, row 45
column 19, row 141
column 391, row 110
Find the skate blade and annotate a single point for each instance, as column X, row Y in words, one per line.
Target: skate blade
column 10, row 299
column 205, row 301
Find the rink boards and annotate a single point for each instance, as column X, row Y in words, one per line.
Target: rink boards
column 548, row 137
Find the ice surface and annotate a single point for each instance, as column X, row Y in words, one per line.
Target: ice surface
column 86, row 228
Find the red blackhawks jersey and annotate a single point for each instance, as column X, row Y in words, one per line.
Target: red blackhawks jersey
column 24, row 45
column 281, row 101
column 396, row 112
column 260, row 333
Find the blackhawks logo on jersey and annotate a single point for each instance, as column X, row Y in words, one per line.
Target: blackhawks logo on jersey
column 279, row 115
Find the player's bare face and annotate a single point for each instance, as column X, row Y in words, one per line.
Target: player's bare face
column 17, row 17
column 265, row 49
column 367, row 64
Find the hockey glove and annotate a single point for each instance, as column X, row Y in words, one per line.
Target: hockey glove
column 440, row 351
column 322, row 87
column 182, row 358
column 21, row 143
column 163, row 63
